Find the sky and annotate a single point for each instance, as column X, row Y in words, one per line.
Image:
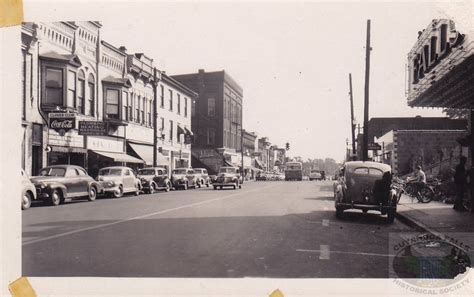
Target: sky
column 291, row 59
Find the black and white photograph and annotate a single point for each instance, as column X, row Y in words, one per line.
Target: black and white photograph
column 237, row 148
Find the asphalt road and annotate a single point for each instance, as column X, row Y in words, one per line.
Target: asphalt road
column 266, row 229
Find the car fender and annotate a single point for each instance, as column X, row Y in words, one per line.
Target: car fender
column 30, row 190
column 339, row 193
column 97, row 186
column 50, row 187
column 394, row 197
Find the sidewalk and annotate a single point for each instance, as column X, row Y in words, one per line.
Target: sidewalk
column 434, row 217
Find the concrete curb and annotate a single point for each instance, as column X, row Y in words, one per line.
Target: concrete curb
column 415, row 224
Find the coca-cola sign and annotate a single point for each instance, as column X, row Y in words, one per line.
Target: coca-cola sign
column 62, row 122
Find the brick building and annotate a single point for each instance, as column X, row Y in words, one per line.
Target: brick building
column 216, row 118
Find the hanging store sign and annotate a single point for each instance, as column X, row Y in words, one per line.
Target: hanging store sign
column 62, row 122
column 373, row 146
column 92, row 128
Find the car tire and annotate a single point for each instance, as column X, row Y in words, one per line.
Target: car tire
column 92, row 194
column 118, row 193
column 207, row 185
column 391, row 215
column 168, row 187
column 152, row 188
column 220, row 187
column 215, row 187
column 235, row 187
column 339, row 213
column 364, row 210
column 185, row 186
column 200, row 183
column 26, row 201
column 137, row 191
column 55, row 198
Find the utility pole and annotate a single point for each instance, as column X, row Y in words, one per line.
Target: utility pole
column 365, row 139
column 155, row 115
column 353, row 126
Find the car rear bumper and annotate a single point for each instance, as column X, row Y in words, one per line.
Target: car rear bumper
column 381, row 208
column 224, row 184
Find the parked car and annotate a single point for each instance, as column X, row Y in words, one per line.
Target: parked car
column 183, row 178
column 228, row 177
column 118, row 180
column 154, row 179
column 28, row 191
column 58, row 183
column 202, row 177
column 366, row 186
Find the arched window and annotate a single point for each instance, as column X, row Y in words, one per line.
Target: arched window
column 81, row 84
column 90, row 104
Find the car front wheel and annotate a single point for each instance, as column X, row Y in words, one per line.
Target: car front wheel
column 92, row 194
column 118, row 193
column 55, row 199
column 26, row 201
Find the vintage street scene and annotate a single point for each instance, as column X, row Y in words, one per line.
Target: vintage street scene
column 233, row 145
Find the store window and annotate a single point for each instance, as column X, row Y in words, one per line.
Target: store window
column 90, row 104
column 53, row 87
column 112, row 103
column 211, row 107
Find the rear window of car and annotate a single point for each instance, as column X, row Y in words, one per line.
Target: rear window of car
column 111, row 171
column 179, row 171
column 147, row 171
column 368, row 171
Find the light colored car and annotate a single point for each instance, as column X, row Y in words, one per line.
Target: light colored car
column 118, row 180
column 154, row 178
column 183, row 178
column 58, row 183
column 228, row 177
column 366, row 186
column 28, row 191
column 202, row 177
column 315, row 175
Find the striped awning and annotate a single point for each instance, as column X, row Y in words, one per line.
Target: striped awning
column 120, row 157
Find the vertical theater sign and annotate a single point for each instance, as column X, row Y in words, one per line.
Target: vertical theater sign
column 440, row 68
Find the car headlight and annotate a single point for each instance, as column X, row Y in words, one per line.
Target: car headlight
column 111, row 183
column 42, row 186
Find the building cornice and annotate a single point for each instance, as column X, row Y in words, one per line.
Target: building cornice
column 169, row 80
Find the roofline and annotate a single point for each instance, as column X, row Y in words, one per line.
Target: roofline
column 177, row 84
column 112, row 47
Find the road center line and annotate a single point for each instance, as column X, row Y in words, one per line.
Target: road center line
column 142, row 216
column 324, row 252
column 320, row 251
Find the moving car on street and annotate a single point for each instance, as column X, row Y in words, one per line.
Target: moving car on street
column 58, row 183
column 294, row 171
column 366, row 186
column 183, row 178
column 228, row 177
column 315, row 175
column 202, row 177
column 118, row 180
column 154, row 179
column 28, row 191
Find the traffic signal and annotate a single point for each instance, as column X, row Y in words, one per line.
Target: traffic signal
column 287, row 146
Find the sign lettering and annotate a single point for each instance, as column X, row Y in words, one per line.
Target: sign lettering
column 62, row 122
column 92, row 128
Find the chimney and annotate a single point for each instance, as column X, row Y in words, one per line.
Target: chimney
column 123, row 49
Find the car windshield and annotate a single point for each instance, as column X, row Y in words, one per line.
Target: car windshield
column 146, row 171
column 52, row 171
column 111, row 171
column 179, row 171
column 227, row 170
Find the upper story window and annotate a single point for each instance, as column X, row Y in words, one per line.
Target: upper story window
column 71, row 89
column 137, row 109
column 142, row 112
column 81, row 89
column 179, row 103
column 112, row 103
column 162, row 96
column 211, row 107
column 125, row 105
column 171, row 99
column 53, row 87
column 150, row 107
column 171, row 130
column 211, row 136
column 90, row 104
column 185, row 107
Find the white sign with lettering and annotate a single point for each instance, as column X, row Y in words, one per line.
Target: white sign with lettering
column 105, row 144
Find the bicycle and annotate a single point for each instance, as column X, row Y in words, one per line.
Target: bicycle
column 423, row 193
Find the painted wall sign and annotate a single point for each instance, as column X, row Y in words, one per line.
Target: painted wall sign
column 93, row 128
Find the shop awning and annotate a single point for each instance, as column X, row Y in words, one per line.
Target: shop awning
column 228, row 163
column 258, row 165
column 145, row 152
column 120, row 157
column 68, row 149
column 189, row 132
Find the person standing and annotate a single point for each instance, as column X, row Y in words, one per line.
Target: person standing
column 460, row 183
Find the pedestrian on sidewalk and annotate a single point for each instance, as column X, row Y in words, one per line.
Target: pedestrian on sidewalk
column 460, row 183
